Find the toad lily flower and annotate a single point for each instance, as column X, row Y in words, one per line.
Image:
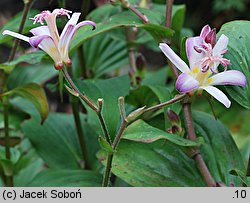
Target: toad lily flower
column 46, row 37
column 195, row 77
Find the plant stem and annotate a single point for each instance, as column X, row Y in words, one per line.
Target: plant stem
column 248, row 167
column 90, row 103
column 196, row 153
column 127, row 5
column 86, row 99
column 108, row 170
column 110, row 155
column 16, row 41
column 171, row 101
column 82, row 142
column 169, row 5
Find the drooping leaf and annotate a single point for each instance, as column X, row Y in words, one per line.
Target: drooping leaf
column 142, row 132
column 158, row 164
column 66, row 178
column 239, row 55
column 219, row 150
column 35, row 94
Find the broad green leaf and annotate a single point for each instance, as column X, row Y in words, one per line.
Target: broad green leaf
column 110, row 90
column 39, row 73
column 35, row 94
column 158, row 164
column 142, row 132
column 238, row 52
column 30, row 58
column 120, row 20
column 220, row 151
column 105, row 54
column 66, row 178
column 14, row 24
column 241, row 175
column 56, row 141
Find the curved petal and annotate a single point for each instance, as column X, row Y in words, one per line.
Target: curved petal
column 186, row 83
column 230, row 77
column 217, row 94
column 174, row 58
column 220, row 46
column 36, row 40
column 16, row 35
column 41, row 30
column 194, row 57
column 205, row 30
column 68, row 33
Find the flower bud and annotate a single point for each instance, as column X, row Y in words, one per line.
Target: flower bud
column 211, row 37
column 135, row 114
column 140, row 62
column 173, row 117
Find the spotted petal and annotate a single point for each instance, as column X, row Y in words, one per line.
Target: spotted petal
column 41, row 30
column 186, row 83
column 194, row 57
column 174, row 58
column 217, row 94
column 230, row 77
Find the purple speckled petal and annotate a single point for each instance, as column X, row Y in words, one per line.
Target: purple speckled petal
column 230, row 77
column 174, row 58
column 186, row 83
column 217, row 94
column 194, row 57
column 41, row 30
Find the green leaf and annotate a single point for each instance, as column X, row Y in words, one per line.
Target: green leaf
column 220, row 151
column 142, row 132
column 105, row 54
column 35, row 94
column 30, row 58
column 66, row 178
column 110, row 90
column 105, row 145
column 39, row 73
column 57, row 143
column 158, row 164
column 239, row 55
column 120, row 20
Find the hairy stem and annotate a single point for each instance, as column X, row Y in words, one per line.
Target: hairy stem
column 171, row 101
column 80, row 134
column 201, row 165
column 16, row 41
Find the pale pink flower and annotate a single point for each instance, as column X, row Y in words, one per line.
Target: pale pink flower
column 194, row 77
column 47, row 38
